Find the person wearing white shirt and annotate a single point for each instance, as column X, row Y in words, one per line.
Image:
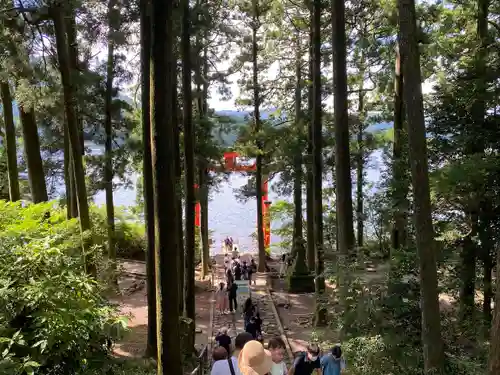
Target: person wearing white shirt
column 277, row 348
column 222, row 367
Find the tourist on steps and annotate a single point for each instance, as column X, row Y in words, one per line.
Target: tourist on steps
column 252, row 269
column 230, row 366
column 307, row 362
column 254, row 327
column 223, row 339
column 332, row 363
column 277, row 348
column 222, row 299
column 231, row 291
column 254, row 359
column 237, row 271
column 248, row 312
column 244, row 270
column 219, row 354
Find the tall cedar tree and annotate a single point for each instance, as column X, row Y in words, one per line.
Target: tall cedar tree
column 148, row 174
column 165, row 192
column 257, row 127
column 10, row 135
column 189, row 165
column 412, row 92
column 317, row 138
column 400, row 189
column 342, row 158
column 311, row 258
column 113, row 24
column 297, row 169
column 57, row 12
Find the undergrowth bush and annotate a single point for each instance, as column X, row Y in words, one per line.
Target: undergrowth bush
column 380, row 324
column 53, row 318
column 129, row 233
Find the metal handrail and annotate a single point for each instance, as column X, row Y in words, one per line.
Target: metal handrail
column 202, row 362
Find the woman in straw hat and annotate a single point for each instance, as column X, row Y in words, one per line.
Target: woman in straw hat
column 254, row 359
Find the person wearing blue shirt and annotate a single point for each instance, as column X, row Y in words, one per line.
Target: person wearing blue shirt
column 332, row 363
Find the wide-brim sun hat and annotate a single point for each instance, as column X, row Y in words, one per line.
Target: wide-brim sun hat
column 254, row 359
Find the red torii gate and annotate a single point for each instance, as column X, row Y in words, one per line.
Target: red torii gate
column 230, row 164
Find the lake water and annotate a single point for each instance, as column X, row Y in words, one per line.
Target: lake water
column 226, row 215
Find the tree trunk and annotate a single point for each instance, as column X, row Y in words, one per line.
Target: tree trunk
column 179, row 182
column 75, row 78
column 36, row 176
column 10, row 142
column 317, row 168
column 360, row 164
column 148, row 174
column 256, row 115
column 203, row 196
column 311, row 258
column 399, row 163
column 113, row 23
column 165, row 191
column 297, row 180
column 189, row 166
column 431, row 327
column 494, row 362
column 71, row 121
column 342, row 158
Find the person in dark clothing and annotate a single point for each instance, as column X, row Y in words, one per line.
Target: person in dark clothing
column 229, row 277
column 253, row 328
column 307, row 362
column 223, row 339
column 231, row 290
column 237, row 271
column 248, row 312
column 244, row 270
column 252, row 268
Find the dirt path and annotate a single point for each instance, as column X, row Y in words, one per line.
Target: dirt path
column 133, row 303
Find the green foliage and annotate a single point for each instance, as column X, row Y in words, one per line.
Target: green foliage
column 130, row 234
column 53, row 318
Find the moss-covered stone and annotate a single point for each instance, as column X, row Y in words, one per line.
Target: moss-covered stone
column 300, row 283
column 299, row 279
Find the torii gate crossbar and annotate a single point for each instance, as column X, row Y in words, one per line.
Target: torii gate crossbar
column 230, row 164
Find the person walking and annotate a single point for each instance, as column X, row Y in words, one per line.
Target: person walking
column 230, row 366
column 277, row 348
column 233, row 305
column 252, row 269
column 223, row 339
column 221, row 299
column 333, row 363
column 307, row 362
column 254, row 359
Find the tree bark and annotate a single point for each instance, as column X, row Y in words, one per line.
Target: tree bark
column 342, row 158
column 431, row 327
column 36, row 176
column 311, row 258
column 148, row 173
column 360, row 164
column 203, row 196
column 297, row 180
column 399, row 163
column 189, row 166
column 317, row 168
column 57, row 13
column 75, row 78
column 257, row 129
column 10, row 142
column 113, row 24
column 494, row 361
column 165, row 191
